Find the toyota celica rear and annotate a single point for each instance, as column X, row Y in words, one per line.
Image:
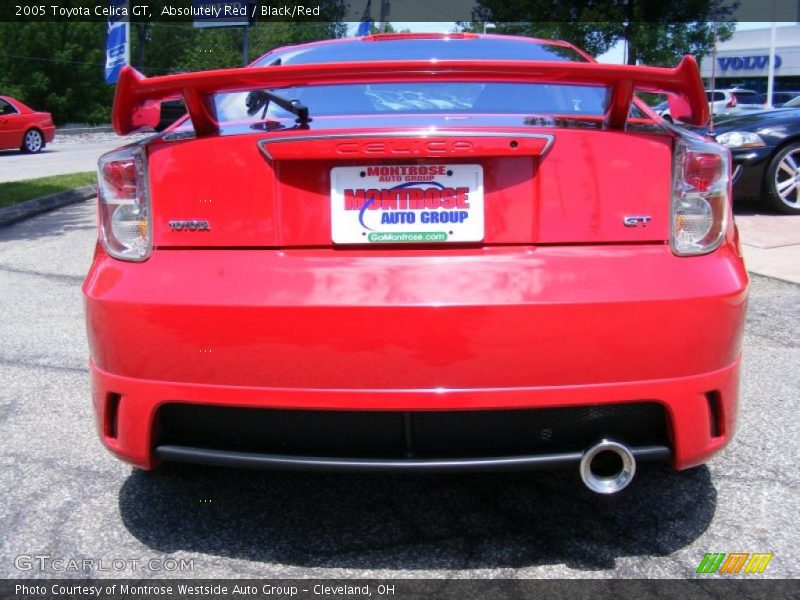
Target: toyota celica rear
column 417, row 252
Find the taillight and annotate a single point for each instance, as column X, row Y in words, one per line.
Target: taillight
column 125, row 227
column 700, row 196
column 732, row 102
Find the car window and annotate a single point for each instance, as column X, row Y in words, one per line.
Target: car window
column 784, row 96
column 746, row 97
column 425, row 97
column 6, row 108
column 718, row 96
column 422, row 49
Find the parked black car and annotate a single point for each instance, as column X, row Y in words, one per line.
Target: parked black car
column 779, row 99
column 766, row 155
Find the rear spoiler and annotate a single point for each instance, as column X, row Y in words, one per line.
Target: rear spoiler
column 136, row 98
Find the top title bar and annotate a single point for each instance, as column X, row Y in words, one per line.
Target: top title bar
column 399, row 10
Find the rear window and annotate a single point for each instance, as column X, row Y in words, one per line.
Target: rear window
column 422, row 49
column 424, row 97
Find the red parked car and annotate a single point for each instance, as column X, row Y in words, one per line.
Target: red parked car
column 417, row 252
column 24, row 128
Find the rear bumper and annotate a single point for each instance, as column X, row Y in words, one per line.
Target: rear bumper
column 227, row 458
column 497, row 328
column 49, row 134
column 696, row 431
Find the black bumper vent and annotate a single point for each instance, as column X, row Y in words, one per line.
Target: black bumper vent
column 416, row 434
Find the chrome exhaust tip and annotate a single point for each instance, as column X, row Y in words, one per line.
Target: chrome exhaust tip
column 607, row 467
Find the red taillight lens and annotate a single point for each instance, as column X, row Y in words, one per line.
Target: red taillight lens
column 732, row 102
column 120, row 177
column 700, row 196
column 702, row 170
column 124, row 202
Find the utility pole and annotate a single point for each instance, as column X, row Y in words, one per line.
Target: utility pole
column 713, row 79
column 385, row 10
column 252, row 10
column 771, row 68
column 246, row 46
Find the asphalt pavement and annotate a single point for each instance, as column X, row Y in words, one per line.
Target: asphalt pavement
column 70, row 153
column 770, row 241
column 65, row 497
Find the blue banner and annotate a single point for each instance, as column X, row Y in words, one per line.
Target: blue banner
column 365, row 27
column 117, row 42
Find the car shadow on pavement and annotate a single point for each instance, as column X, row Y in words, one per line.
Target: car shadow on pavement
column 80, row 215
column 17, row 152
column 751, row 206
column 415, row 521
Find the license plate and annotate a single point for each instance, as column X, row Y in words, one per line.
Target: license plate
column 411, row 204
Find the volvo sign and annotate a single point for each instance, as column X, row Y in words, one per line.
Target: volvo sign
column 746, row 63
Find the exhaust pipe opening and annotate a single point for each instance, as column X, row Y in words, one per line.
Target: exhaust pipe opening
column 607, row 467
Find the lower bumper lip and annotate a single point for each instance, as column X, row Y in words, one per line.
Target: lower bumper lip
column 226, row 458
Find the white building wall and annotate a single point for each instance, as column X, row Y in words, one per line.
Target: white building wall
column 746, row 54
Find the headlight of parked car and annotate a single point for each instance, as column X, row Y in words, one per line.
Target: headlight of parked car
column 740, row 139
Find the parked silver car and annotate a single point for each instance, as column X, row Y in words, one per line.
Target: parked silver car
column 722, row 102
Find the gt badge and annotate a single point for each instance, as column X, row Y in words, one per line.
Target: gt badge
column 634, row 220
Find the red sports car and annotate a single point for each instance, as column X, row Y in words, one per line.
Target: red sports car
column 417, row 252
column 24, row 128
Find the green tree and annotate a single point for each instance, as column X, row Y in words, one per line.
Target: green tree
column 57, row 67
column 161, row 47
column 385, row 28
column 656, row 33
column 221, row 47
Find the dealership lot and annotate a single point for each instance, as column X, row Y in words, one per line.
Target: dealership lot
column 67, row 498
column 69, row 153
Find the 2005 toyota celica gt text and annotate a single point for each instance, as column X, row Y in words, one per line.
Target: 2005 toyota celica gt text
column 417, row 252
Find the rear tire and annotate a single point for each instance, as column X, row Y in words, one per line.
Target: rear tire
column 782, row 180
column 32, row 141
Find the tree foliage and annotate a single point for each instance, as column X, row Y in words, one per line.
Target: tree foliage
column 657, row 33
column 59, row 67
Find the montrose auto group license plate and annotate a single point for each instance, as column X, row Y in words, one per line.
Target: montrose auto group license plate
column 412, row 204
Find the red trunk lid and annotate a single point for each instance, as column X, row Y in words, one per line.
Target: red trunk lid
column 546, row 186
